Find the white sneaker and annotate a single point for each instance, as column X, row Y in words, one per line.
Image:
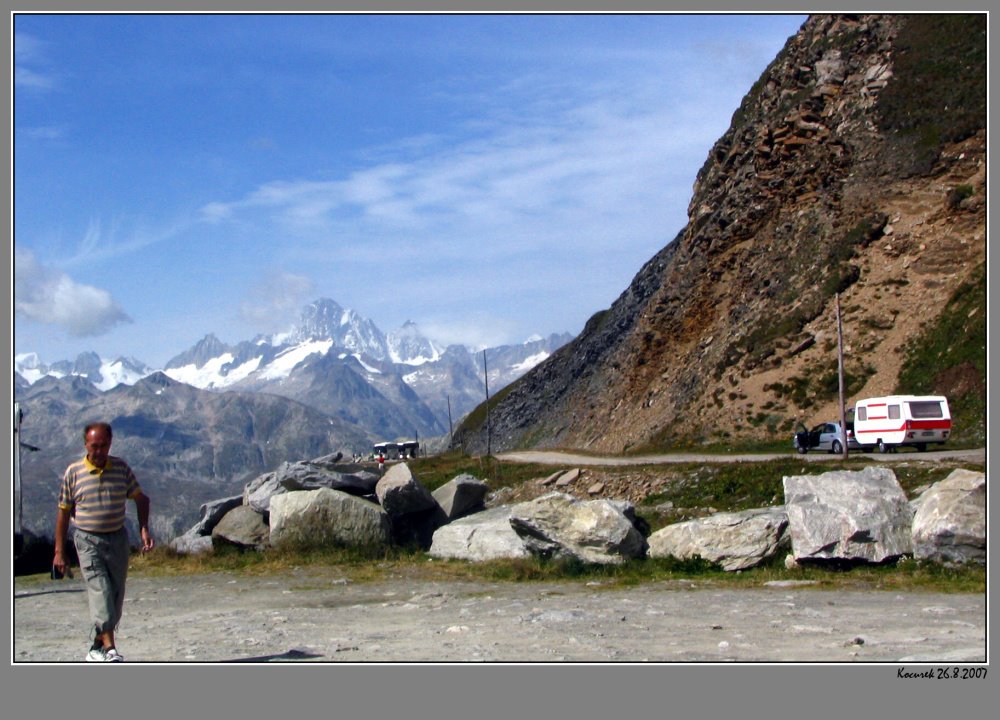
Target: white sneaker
column 102, row 655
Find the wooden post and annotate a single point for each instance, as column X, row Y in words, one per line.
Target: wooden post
column 840, row 380
column 451, row 433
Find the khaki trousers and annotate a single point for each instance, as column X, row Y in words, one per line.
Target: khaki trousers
column 104, row 566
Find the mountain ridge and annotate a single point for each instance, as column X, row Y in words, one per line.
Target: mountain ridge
column 221, row 414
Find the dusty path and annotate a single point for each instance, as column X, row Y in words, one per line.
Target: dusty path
column 552, row 457
column 315, row 616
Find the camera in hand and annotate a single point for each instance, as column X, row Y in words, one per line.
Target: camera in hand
column 58, row 575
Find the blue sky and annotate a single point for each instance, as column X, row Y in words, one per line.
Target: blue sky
column 489, row 177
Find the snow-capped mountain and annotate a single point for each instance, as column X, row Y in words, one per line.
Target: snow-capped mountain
column 324, row 327
column 104, row 374
column 325, row 320
column 408, row 346
column 417, row 384
column 219, row 414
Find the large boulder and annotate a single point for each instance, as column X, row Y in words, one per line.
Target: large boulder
column 949, row 524
column 400, row 493
column 212, row 512
column 479, row 537
column 330, row 462
column 848, row 516
column 308, row 475
column 317, row 518
column 312, row 475
column 258, row 492
column 242, row 526
column 736, row 541
column 460, row 496
column 192, row 543
column 593, row 531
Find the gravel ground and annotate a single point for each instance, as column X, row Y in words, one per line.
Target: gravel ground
column 306, row 616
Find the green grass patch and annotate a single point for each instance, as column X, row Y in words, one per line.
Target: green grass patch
column 949, row 358
column 313, row 570
column 359, row 564
column 436, row 470
column 937, row 93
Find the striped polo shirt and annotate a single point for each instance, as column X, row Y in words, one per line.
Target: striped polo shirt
column 98, row 495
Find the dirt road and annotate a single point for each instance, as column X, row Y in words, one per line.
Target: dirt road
column 552, row 457
column 314, row 616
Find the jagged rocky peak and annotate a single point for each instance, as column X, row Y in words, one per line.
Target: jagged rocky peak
column 409, row 345
column 326, row 319
column 157, row 380
column 87, row 364
column 131, row 364
column 208, row 348
column 322, row 319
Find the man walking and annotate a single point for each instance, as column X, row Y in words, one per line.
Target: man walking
column 94, row 491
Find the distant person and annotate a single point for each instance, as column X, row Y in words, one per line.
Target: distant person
column 381, row 462
column 94, row 490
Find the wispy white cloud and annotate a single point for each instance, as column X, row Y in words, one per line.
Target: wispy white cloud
column 50, row 132
column 46, row 295
column 28, row 78
column 537, row 215
column 477, row 330
column 30, row 65
column 102, row 240
column 598, row 159
column 276, row 300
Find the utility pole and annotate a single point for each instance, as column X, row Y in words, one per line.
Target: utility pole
column 486, row 378
column 840, row 380
column 451, row 433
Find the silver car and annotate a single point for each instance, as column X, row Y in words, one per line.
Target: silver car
column 825, row 436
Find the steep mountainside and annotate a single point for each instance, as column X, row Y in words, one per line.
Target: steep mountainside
column 854, row 166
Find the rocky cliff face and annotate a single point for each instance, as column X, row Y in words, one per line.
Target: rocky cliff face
column 854, row 168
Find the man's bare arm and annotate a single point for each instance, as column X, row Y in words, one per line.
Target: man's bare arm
column 62, row 529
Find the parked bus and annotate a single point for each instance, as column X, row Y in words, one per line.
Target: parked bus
column 396, row 450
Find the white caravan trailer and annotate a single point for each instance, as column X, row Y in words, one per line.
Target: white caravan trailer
column 898, row 420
